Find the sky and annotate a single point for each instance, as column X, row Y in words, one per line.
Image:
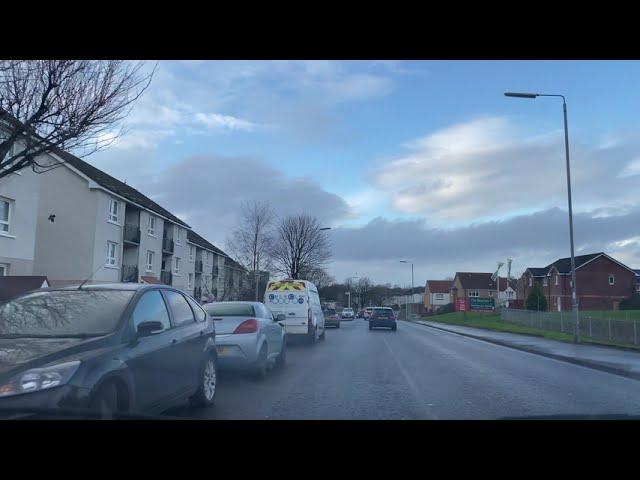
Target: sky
column 425, row 161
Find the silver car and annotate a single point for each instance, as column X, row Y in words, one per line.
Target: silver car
column 248, row 336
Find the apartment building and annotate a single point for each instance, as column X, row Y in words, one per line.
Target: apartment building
column 207, row 275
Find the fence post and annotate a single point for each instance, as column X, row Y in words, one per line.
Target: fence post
column 635, row 333
column 561, row 324
column 609, row 319
column 590, row 332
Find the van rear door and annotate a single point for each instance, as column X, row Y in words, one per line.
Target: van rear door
column 290, row 298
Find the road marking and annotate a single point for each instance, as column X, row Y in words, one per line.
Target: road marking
column 416, row 392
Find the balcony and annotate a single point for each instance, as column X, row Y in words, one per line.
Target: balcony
column 131, row 234
column 129, row 274
column 198, row 266
column 214, row 271
column 167, row 245
column 166, row 277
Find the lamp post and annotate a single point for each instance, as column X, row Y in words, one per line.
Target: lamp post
column 411, row 294
column 349, row 292
column 575, row 307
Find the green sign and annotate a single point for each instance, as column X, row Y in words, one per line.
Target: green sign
column 481, row 303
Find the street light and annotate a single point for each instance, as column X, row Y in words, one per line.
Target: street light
column 411, row 294
column 325, row 228
column 349, row 292
column 576, row 335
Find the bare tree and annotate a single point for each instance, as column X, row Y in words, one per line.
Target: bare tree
column 318, row 276
column 251, row 241
column 77, row 105
column 299, row 246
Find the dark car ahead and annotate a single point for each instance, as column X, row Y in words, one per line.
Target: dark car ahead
column 382, row 317
column 109, row 348
column 331, row 318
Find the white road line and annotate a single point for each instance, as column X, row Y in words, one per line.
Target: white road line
column 426, row 412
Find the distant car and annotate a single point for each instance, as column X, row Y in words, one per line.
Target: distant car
column 248, row 336
column 360, row 314
column 106, row 349
column 367, row 312
column 332, row 318
column 347, row 313
column 382, row 317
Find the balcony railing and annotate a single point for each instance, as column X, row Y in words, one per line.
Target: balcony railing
column 198, row 266
column 166, row 277
column 132, row 234
column 167, row 245
column 129, row 273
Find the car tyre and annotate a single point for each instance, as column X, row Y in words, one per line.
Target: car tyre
column 394, row 328
column 105, row 401
column 206, row 394
column 281, row 360
column 324, row 330
column 311, row 337
column 260, row 368
column 370, row 326
column 338, row 325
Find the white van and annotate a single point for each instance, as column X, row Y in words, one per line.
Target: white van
column 299, row 302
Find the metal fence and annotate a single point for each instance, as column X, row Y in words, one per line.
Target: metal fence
column 595, row 325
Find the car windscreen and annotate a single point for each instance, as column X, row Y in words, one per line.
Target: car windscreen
column 383, row 313
column 331, row 311
column 229, row 309
column 64, row 313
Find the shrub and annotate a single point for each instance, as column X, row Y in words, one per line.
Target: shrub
column 448, row 308
column 536, row 300
column 631, row 303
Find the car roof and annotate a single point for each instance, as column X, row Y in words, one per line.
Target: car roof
column 110, row 286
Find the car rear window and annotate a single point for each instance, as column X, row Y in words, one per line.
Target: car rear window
column 230, row 309
column 383, row 313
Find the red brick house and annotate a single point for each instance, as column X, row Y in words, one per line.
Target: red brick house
column 603, row 282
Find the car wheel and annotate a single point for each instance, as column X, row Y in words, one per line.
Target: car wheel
column 322, row 334
column 338, row 325
column 394, row 328
column 282, row 358
column 105, row 401
column 206, row 394
column 311, row 337
column 260, row 368
column 370, row 326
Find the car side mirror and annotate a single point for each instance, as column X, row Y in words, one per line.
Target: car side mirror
column 281, row 317
column 149, row 328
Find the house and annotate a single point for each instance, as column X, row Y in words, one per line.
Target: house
column 602, row 282
column 436, row 294
column 235, row 280
column 532, row 276
column 508, row 290
column 12, row 286
column 637, row 280
column 473, row 285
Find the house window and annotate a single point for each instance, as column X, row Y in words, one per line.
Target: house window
column 490, row 294
column 5, row 211
column 149, row 261
column 475, row 293
column 530, row 281
column 557, row 279
column 112, row 248
column 113, row 211
column 178, row 236
column 191, row 252
column 545, row 281
column 612, row 279
column 190, row 280
column 177, row 266
column 510, row 294
column 151, row 229
column 439, row 296
column 4, row 269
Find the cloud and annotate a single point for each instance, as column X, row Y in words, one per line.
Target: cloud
column 215, row 120
column 488, row 168
column 533, row 240
column 208, row 192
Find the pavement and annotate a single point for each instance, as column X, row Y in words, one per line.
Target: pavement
column 608, row 359
column 418, row 372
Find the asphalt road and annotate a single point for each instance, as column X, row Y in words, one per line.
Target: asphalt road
column 417, row 373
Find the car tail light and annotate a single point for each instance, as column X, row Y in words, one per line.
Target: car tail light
column 248, row 326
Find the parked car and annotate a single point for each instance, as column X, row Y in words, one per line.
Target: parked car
column 248, row 336
column 106, row 348
column 382, row 317
column 299, row 302
column 347, row 313
column 332, row 318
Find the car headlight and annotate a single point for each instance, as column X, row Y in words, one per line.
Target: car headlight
column 39, row 379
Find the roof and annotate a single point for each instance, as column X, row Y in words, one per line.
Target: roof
column 14, row 285
column 475, row 280
column 116, row 186
column 563, row 265
column 439, row 286
column 231, row 263
column 196, row 239
column 538, row 271
column 637, row 272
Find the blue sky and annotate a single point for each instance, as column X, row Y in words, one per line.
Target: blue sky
column 429, row 148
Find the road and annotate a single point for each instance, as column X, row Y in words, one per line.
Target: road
column 417, row 373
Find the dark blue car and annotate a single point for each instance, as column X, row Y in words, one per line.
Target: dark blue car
column 382, row 317
column 107, row 350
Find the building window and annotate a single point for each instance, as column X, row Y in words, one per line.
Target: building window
column 178, row 236
column 177, row 266
column 557, row 279
column 4, row 269
column 612, row 279
column 113, row 211
column 530, row 281
column 475, row 293
column 191, row 252
column 439, row 296
column 545, row 281
column 151, row 229
column 5, row 215
column 149, row 261
column 510, row 294
column 206, row 257
column 112, row 248
column 190, row 280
